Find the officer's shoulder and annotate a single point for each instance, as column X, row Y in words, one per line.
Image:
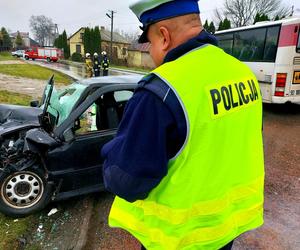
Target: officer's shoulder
column 155, row 85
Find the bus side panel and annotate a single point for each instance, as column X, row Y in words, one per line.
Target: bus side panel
column 286, row 64
column 288, row 37
column 264, row 73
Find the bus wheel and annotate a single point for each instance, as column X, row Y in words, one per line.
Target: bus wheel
column 33, row 59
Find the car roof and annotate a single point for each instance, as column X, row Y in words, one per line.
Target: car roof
column 108, row 80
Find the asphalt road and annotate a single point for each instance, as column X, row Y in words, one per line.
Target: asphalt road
column 76, row 70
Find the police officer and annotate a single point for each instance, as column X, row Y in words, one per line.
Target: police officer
column 88, row 65
column 105, row 63
column 96, row 64
column 187, row 162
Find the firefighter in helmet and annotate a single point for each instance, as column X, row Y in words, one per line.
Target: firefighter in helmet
column 88, row 65
column 96, row 64
column 105, row 63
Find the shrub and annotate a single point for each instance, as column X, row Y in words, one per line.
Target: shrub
column 76, row 57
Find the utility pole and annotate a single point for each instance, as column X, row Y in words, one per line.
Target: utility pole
column 111, row 16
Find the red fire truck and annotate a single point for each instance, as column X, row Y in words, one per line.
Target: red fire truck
column 49, row 54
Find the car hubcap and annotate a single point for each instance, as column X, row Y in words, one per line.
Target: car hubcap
column 22, row 190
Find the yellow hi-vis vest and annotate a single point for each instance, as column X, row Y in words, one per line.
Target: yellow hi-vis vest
column 213, row 191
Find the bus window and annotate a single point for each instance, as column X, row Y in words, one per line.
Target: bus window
column 226, row 42
column 249, row 45
column 271, row 44
column 298, row 45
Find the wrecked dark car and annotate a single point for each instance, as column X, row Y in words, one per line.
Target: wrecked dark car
column 52, row 152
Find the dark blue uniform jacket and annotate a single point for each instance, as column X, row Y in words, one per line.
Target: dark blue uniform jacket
column 152, row 131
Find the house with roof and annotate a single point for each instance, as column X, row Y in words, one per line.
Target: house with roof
column 139, row 56
column 27, row 41
column 119, row 46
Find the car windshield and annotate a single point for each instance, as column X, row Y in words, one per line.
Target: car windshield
column 63, row 101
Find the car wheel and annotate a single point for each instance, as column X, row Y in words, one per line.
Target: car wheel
column 26, row 57
column 23, row 193
column 48, row 59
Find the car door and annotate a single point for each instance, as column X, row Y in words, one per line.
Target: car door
column 78, row 162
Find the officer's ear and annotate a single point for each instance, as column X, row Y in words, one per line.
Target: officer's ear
column 166, row 38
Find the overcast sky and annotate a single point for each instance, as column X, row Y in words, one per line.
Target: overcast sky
column 73, row 14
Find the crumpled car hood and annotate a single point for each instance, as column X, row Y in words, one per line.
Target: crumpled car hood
column 13, row 117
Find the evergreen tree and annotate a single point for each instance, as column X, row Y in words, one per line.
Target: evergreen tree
column 19, row 41
column 65, row 45
column 265, row 17
column 97, row 39
column 221, row 25
column 261, row 18
column 92, row 41
column 58, row 42
column 226, row 24
column 276, row 18
column 256, row 18
column 7, row 44
column 206, row 26
column 1, row 40
column 61, row 42
column 212, row 28
column 87, row 40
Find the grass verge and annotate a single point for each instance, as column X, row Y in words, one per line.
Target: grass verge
column 6, row 56
column 131, row 68
column 34, row 72
column 13, row 232
column 14, row 98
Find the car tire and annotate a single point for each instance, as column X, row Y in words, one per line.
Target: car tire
column 26, row 57
column 23, row 193
column 48, row 59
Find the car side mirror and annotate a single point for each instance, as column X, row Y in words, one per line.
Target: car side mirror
column 34, row 104
column 69, row 135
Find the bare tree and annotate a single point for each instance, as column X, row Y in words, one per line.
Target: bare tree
column 130, row 36
column 243, row 12
column 43, row 29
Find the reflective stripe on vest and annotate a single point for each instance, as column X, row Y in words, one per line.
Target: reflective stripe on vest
column 213, row 191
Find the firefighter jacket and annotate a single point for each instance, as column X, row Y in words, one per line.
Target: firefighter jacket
column 105, row 63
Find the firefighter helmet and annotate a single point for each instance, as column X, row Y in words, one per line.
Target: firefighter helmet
column 103, row 53
column 87, row 55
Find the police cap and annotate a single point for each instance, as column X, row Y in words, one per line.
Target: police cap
column 153, row 11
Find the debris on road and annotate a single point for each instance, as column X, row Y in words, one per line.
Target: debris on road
column 52, row 211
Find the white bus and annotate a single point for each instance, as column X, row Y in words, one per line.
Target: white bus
column 272, row 50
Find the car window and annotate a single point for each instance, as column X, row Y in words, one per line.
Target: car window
column 124, row 95
column 298, row 44
column 87, row 121
column 104, row 114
